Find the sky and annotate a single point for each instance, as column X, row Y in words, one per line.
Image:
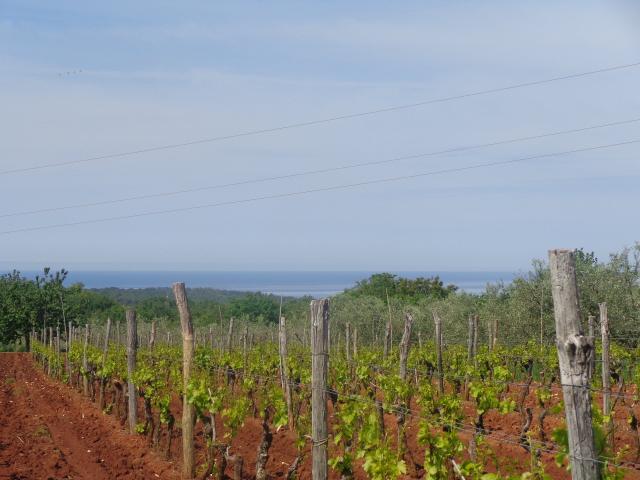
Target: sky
column 81, row 80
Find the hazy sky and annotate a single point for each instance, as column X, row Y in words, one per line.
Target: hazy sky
column 154, row 73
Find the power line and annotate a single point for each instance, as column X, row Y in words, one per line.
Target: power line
column 319, row 171
column 310, row 123
column 321, row 189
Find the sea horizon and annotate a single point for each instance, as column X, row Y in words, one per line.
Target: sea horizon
column 293, row 283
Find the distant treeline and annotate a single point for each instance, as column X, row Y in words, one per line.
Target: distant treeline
column 520, row 311
column 133, row 296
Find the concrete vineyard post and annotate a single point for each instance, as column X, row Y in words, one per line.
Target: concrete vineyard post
column 188, row 411
column 132, row 346
column 319, row 361
column 574, row 355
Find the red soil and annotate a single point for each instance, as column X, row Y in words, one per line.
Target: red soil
column 48, row 431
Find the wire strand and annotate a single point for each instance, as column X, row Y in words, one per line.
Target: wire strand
column 317, row 190
column 319, row 171
column 310, row 123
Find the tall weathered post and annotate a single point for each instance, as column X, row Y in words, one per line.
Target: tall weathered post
column 388, row 334
column 347, row 341
column 591, row 321
column 105, row 352
column 355, row 343
column 132, row 347
column 319, row 361
column 606, row 370
column 470, row 339
column 152, row 334
column 51, row 349
column 574, row 354
column 438, row 334
column 476, row 333
column 405, row 343
column 284, row 369
column 188, row 412
column 85, row 363
column 230, row 335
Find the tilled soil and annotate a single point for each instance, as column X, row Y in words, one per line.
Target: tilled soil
column 48, row 431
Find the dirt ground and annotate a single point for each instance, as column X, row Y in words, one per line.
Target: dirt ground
column 48, row 431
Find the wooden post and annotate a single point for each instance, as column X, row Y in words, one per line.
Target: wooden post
column 188, row 412
column 286, row 385
column 490, row 334
column 245, row 350
column 591, row 326
column 574, row 354
column 105, row 350
column 388, row 332
column 470, row 340
column 105, row 346
column 475, row 337
column 355, row 343
column 85, row 363
column 405, row 342
column 230, row 335
column 69, row 340
column 495, row 333
column 438, row 324
column 58, row 372
column 118, row 338
column 347, row 334
column 319, row 352
column 50, row 348
column 132, row 346
column 606, row 371
column 152, row 334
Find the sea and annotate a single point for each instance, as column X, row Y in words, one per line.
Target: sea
column 286, row 283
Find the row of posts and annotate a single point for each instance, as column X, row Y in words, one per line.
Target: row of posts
column 576, row 355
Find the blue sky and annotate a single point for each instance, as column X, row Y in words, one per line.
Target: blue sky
column 153, row 73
